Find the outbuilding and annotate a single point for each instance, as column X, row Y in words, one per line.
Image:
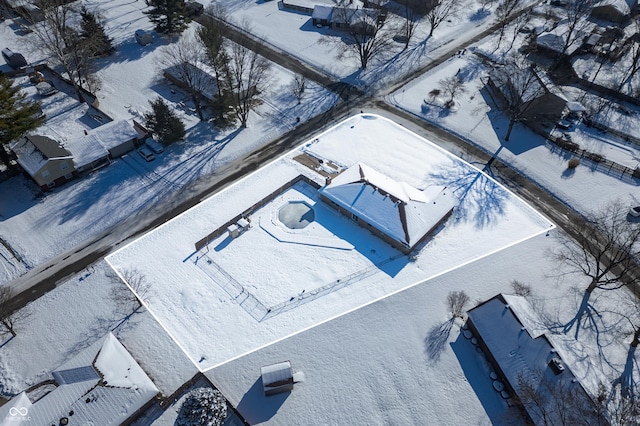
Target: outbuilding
column 277, row 378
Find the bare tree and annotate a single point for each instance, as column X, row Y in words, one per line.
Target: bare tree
column 517, row 24
column 184, row 59
column 364, row 38
column 299, row 86
column 632, row 46
column 555, row 401
column 520, row 289
column 56, row 36
column 504, row 13
column 211, row 35
column 574, row 18
column 8, row 316
column 621, row 408
column 486, row 4
column 439, row 11
column 602, row 249
column 518, row 87
column 413, row 14
column 456, row 301
column 247, row 76
column 138, row 289
column 452, row 85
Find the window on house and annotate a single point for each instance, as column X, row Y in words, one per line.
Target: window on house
column 354, row 217
column 45, row 173
column 64, row 166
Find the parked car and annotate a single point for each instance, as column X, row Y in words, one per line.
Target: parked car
column 45, row 89
column 154, row 145
column 146, row 153
column 13, row 59
column 143, row 37
column 635, row 211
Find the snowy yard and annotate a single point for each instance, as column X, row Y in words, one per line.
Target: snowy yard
column 214, row 325
column 40, row 226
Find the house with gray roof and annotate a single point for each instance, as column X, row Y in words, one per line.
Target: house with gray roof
column 45, row 160
column 101, row 386
column 528, row 368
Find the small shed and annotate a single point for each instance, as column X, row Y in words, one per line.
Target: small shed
column 277, row 378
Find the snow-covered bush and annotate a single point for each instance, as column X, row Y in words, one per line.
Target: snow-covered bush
column 203, row 407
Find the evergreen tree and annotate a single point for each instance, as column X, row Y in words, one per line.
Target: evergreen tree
column 93, row 35
column 203, row 407
column 169, row 16
column 164, row 122
column 17, row 115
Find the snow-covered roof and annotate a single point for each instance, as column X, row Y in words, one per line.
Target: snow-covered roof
column 97, row 143
column 513, row 334
column 34, row 151
column 395, row 208
column 101, row 385
column 115, row 133
column 621, row 6
column 16, row 411
column 555, row 41
column 322, row 12
column 86, row 149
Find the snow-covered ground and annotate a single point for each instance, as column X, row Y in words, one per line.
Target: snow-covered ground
column 190, row 304
column 41, row 226
column 379, row 351
column 294, row 32
column 477, row 119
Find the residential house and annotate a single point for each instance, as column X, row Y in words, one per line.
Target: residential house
column 524, row 360
column 45, row 160
column 103, row 143
column 363, row 20
column 102, row 385
column 542, row 103
column 397, row 212
column 618, row 11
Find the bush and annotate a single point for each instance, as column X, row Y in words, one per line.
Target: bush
column 450, row 104
column 520, row 289
column 434, row 94
column 203, row 407
column 568, row 145
column 573, row 163
column 457, row 301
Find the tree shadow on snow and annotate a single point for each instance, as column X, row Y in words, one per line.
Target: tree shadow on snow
column 482, row 200
column 626, row 380
column 436, row 341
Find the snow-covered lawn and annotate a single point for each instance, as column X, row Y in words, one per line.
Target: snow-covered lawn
column 41, row 226
column 60, row 324
column 294, row 33
column 479, row 121
column 214, row 324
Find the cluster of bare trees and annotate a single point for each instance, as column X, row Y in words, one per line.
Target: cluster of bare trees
column 74, row 47
column 208, row 63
